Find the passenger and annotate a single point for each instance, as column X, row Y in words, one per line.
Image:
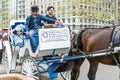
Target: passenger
column 33, row 22
column 51, row 15
column 18, row 37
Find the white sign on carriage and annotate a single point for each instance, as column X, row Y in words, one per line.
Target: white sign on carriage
column 54, row 38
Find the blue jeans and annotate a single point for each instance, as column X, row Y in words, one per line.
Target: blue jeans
column 34, row 40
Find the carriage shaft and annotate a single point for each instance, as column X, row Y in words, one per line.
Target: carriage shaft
column 72, row 58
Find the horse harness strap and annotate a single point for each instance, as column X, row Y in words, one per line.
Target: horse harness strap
column 78, row 43
column 115, row 42
column 115, row 37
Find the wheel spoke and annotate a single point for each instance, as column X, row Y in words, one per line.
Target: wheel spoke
column 35, row 72
column 29, row 68
column 24, row 68
column 35, row 77
column 23, row 72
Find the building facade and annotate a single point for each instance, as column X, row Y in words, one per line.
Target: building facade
column 88, row 13
column 23, row 8
column 12, row 9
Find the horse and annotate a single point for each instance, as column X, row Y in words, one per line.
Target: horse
column 87, row 41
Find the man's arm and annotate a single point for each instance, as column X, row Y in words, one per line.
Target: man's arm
column 27, row 23
column 47, row 25
column 47, row 19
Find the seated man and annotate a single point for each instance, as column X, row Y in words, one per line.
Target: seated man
column 18, row 35
column 50, row 14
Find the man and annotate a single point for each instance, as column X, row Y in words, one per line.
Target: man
column 50, row 14
column 33, row 22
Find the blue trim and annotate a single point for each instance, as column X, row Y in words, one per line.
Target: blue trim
column 54, row 64
column 68, row 58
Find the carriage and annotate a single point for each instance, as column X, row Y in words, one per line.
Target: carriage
column 50, row 57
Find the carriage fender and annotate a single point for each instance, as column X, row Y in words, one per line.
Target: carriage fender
column 26, row 53
column 8, row 51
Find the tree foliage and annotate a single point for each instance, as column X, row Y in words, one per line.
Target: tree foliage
column 97, row 11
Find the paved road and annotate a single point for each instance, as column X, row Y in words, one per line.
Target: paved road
column 105, row 72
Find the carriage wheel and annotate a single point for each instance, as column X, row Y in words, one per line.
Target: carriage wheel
column 29, row 68
column 66, row 75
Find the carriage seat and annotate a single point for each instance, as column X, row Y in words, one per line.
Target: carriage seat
column 18, row 40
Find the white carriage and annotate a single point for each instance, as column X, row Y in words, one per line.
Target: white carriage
column 54, row 45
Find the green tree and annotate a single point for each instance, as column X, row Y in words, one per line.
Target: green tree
column 4, row 13
column 97, row 15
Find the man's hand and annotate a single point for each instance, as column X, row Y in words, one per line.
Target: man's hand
column 56, row 24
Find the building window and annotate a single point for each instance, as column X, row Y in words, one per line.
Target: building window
column 53, row 3
column 73, row 20
column 34, row 3
column 68, row 20
column 63, row 20
column 41, row 6
column 58, row 15
column 68, row 7
column 41, row 11
column 73, row 7
column 81, row 20
column 19, row 16
column 37, row 1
